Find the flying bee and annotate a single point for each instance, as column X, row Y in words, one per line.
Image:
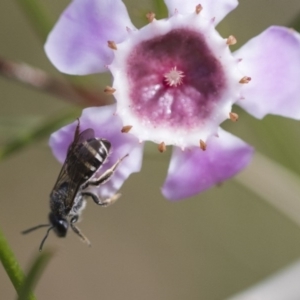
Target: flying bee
column 85, row 155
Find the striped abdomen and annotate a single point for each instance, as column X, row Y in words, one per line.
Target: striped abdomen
column 86, row 158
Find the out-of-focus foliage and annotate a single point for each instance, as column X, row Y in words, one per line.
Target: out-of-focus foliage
column 207, row 247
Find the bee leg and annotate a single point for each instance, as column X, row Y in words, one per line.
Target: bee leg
column 78, row 232
column 103, row 202
column 105, row 176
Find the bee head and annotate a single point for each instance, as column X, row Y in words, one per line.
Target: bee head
column 60, row 225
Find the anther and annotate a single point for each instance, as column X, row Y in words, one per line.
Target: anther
column 202, row 145
column 231, row 40
column 174, row 77
column 233, row 116
column 126, row 129
column 198, row 9
column 245, row 79
column 109, row 90
column 162, row 147
column 112, row 45
column 150, row 16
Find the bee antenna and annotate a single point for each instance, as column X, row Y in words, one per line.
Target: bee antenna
column 34, row 228
column 44, row 239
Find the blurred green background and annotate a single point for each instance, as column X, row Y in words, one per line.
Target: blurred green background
column 145, row 247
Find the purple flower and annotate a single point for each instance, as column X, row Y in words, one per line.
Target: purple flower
column 176, row 81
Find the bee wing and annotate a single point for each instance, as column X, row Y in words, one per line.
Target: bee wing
column 80, row 138
column 85, row 135
column 66, row 181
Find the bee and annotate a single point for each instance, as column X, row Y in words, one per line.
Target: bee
column 85, row 155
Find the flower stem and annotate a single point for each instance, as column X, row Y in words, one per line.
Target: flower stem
column 40, row 80
column 38, row 16
column 11, row 266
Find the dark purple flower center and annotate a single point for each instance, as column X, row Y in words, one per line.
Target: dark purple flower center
column 187, row 103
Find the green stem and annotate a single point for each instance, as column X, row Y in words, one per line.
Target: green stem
column 42, row 130
column 160, row 9
column 36, row 269
column 296, row 23
column 38, row 16
column 12, row 267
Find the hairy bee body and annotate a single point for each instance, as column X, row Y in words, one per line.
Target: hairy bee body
column 85, row 156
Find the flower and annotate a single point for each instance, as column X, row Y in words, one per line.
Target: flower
column 175, row 81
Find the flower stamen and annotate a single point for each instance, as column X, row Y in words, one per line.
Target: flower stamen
column 231, row 40
column 162, row 147
column 198, row 9
column 109, row 90
column 233, row 116
column 202, row 145
column 150, row 16
column 112, row 45
column 126, row 128
column 174, row 77
column 245, row 79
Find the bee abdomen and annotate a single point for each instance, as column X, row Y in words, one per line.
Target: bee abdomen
column 88, row 157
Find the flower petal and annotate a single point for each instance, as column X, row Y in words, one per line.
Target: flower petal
column 192, row 171
column 106, row 125
column 272, row 60
column 211, row 8
column 78, row 42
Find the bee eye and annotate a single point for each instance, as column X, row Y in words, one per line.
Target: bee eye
column 61, row 228
column 60, row 225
